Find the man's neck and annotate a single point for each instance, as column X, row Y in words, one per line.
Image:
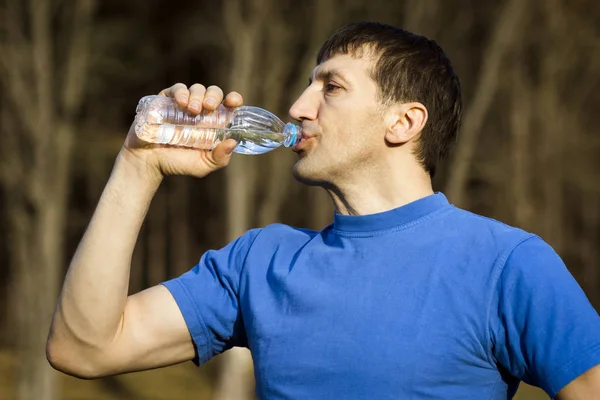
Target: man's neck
column 370, row 193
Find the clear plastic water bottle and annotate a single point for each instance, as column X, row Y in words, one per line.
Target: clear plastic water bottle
column 160, row 119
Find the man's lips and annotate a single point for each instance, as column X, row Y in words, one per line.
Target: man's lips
column 306, row 137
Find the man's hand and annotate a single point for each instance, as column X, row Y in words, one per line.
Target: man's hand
column 160, row 160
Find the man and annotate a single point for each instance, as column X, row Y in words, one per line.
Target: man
column 403, row 297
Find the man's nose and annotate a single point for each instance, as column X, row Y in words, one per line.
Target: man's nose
column 305, row 107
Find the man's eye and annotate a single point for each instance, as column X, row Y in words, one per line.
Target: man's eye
column 330, row 87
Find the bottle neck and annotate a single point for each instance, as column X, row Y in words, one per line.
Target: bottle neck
column 292, row 134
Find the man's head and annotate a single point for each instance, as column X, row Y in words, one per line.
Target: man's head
column 376, row 88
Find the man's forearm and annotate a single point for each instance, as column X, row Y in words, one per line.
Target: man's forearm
column 94, row 292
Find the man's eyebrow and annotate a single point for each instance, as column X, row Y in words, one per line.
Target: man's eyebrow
column 328, row 74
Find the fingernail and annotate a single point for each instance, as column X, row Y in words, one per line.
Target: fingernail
column 182, row 99
column 228, row 152
column 194, row 105
column 210, row 101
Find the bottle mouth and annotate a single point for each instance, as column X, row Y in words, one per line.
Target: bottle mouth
column 292, row 133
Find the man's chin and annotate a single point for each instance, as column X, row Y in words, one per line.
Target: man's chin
column 302, row 173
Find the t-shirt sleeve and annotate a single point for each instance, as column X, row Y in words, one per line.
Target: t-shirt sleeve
column 546, row 332
column 208, row 298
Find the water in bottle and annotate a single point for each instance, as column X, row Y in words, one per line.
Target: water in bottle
column 160, row 119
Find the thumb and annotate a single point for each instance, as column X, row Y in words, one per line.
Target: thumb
column 222, row 153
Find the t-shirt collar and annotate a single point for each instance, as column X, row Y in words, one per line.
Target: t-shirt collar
column 392, row 218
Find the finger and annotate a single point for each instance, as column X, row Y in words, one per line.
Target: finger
column 179, row 92
column 197, row 92
column 233, row 99
column 212, row 98
column 170, row 92
column 222, row 152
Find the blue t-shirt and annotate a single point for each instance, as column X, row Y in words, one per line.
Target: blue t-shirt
column 426, row 301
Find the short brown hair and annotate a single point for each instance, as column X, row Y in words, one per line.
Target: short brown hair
column 409, row 68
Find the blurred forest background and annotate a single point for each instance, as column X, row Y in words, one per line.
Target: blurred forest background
column 71, row 73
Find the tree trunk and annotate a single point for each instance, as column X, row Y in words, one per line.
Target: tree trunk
column 236, row 376
column 36, row 288
column 37, row 141
column 507, row 30
column 553, row 126
column 38, row 231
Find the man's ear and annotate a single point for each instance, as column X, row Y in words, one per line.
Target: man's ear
column 404, row 122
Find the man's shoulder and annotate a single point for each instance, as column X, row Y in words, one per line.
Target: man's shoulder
column 477, row 223
column 477, row 228
column 283, row 231
column 277, row 234
column 280, row 228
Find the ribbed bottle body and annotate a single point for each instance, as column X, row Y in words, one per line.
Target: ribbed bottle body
column 161, row 120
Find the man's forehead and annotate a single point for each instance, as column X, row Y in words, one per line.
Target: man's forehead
column 345, row 65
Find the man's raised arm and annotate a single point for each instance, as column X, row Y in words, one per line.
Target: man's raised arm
column 97, row 329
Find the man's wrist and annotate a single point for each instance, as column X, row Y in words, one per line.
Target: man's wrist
column 132, row 182
column 136, row 169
